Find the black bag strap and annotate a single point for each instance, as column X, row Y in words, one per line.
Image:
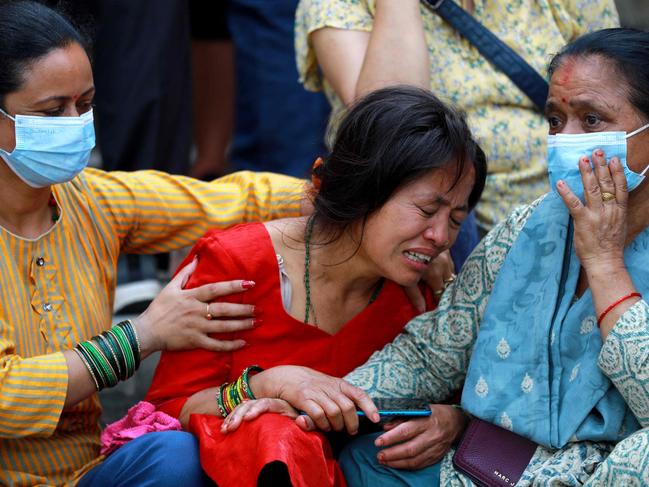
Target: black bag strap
column 494, row 50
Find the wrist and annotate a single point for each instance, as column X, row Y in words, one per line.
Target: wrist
column 462, row 420
column 256, row 384
column 148, row 342
column 606, row 269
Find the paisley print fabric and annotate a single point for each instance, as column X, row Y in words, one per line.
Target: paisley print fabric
column 430, row 360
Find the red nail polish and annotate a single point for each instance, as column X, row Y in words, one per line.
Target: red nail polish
column 599, row 152
column 257, row 322
column 247, row 284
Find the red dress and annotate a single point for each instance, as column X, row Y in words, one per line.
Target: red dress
column 246, row 252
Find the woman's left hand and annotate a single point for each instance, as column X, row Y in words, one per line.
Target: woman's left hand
column 421, row 442
column 249, row 410
column 600, row 222
column 440, row 273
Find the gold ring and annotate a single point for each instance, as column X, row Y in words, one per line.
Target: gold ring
column 449, row 280
column 606, row 196
column 438, row 292
column 208, row 315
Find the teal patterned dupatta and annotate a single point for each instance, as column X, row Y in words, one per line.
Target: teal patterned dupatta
column 534, row 364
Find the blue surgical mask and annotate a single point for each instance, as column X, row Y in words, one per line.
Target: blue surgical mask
column 50, row 150
column 565, row 150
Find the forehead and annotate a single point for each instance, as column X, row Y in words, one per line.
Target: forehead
column 593, row 79
column 442, row 182
column 63, row 72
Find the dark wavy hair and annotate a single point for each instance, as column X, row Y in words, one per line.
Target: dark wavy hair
column 30, row 30
column 628, row 52
column 388, row 139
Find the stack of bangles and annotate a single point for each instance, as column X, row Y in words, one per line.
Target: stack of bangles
column 231, row 395
column 112, row 356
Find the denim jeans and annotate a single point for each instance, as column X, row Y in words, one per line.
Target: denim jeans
column 279, row 126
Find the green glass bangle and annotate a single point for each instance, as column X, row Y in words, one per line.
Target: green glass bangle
column 87, row 365
column 119, row 351
column 235, row 397
column 101, row 363
column 108, row 351
column 104, row 364
column 94, row 368
column 129, row 331
column 128, row 351
column 246, row 376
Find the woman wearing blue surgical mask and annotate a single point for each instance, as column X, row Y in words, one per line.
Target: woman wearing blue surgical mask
column 551, row 308
column 62, row 228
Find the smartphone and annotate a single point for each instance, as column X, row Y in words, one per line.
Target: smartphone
column 390, row 407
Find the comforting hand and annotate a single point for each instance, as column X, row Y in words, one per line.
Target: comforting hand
column 417, row 443
column 440, row 273
column 329, row 402
column 179, row 319
column 251, row 409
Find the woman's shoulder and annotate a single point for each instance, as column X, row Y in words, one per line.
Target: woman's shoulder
column 235, row 240
column 507, row 230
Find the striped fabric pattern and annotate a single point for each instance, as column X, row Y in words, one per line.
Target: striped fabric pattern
column 58, row 290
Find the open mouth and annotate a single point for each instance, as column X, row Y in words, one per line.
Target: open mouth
column 417, row 257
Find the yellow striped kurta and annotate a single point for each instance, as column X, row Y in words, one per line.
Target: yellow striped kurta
column 58, row 290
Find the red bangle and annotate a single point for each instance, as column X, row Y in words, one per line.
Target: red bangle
column 621, row 300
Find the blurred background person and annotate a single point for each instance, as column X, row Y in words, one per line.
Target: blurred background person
column 348, row 48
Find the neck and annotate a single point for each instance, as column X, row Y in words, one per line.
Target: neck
column 24, row 210
column 342, row 262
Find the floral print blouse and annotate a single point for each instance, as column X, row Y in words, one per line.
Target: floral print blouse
column 510, row 130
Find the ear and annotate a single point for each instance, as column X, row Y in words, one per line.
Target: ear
column 315, row 179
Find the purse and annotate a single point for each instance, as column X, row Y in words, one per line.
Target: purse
column 492, row 456
column 503, row 57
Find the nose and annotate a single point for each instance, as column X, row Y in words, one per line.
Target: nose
column 572, row 126
column 438, row 233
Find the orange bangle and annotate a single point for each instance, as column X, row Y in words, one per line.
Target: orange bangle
column 621, row 300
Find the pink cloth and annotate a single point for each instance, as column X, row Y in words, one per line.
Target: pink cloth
column 140, row 419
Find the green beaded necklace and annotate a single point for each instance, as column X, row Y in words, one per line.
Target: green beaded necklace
column 308, row 306
column 54, row 208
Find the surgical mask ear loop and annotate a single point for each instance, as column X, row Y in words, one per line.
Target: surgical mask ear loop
column 637, row 131
column 7, row 115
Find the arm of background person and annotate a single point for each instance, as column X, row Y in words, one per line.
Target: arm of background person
column 153, row 212
column 577, row 17
column 394, row 52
